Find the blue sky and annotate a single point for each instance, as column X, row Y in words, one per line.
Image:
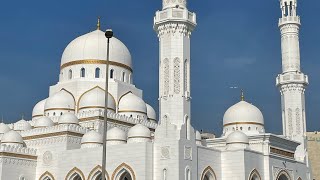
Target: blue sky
column 236, row 43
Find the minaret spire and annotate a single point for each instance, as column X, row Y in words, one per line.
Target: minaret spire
column 242, row 95
column 292, row 82
column 98, row 24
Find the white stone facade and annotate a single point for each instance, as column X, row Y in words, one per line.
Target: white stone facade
column 63, row 141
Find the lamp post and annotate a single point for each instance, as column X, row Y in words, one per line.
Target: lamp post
column 108, row 35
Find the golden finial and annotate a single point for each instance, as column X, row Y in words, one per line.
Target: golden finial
column 98, row 24
column 242, row 95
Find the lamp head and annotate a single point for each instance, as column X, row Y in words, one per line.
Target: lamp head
column 109, row 33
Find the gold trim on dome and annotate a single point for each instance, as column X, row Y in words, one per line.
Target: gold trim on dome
column 235, row 123
column 91, row 143
column 18, row 155
column 124, row 111
column 281, row 152
column 127, row 168
column 95, row 61
column 48, row 174
column 37, row 116
column 91, row 107
column 123, row 96
column 95, row 170
column 238, row 143
column 52, row 134
column 206, row 170
column 63, row 109
column 73, row 171
column 138, row 137
column 109, row 120
column 78, row 103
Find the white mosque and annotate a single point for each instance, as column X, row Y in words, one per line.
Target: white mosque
column 63, row 141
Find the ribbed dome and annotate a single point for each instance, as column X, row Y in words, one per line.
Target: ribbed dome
column 12, row 137
column 38, row 109
column 95, row 98
column 243, row 113
column 4, row 128
column 151, row 113
column 22, row 125
column 93, row 46
column 237, row 137
column 92, row 137
column 131, row 102
column 139, row 131
column 43, row 122
column 116, row 134
column 60, row 100
column 68, row 118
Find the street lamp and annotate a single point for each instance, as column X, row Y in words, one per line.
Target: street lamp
column 108, row 35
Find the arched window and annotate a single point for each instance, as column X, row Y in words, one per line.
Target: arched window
column 111, row 74
column 254, row 175
column 54, row 114
column 208, row 174
column 165, row 174
column 96, row 174
column 187, row 121
column 46, row 176
column 123, row 77
column 283, row 175
column 188, row 174
column 97, row 73
column 70, row 74
column 123, row 172
column 75, row 177
column 83, row 72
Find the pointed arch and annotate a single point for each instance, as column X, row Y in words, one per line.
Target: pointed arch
column 283, row 175
column 299, row 178
column 121, row 170
column 63, row 89
column 254, row 175
column 209, row 174
column 123, row 96
column 73, row 172
column 95, row 172
column 91, row 90
column 46, row 176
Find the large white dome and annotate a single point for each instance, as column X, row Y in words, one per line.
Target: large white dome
column 93, row 46
column 151, row 113
column 60, row 100
column 68, row 118
column 243, row 113
column 12, row 138
column 4, row 128
column 38, row 109
column 95, row 98
column 132, row 103
column 43, row 122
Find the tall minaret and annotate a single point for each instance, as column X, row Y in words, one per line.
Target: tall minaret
column 292, row 82
column 174, row 24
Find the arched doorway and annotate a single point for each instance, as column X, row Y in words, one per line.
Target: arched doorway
column 75, row 174
column 123, row 172
column 254, row 175
column 125, row 176
column 283, row 175
column 208, row 174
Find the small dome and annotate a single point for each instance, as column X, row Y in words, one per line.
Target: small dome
column 139, row 131
column 68, row 118
column 12, row 138
column 133, row 103
column 4, row 128
column 151, row 113
column 60, row 100
column 43, row 122
column 237, row 137
column 116, row 134
column 96, row 98
column 244, row 113
column 22, row 125
column 38, row 109
column 92, row 137
column 93, row 46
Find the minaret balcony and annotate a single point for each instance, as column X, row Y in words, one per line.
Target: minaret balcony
column 175, row 14
column 287, row 78
column 289, row 20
